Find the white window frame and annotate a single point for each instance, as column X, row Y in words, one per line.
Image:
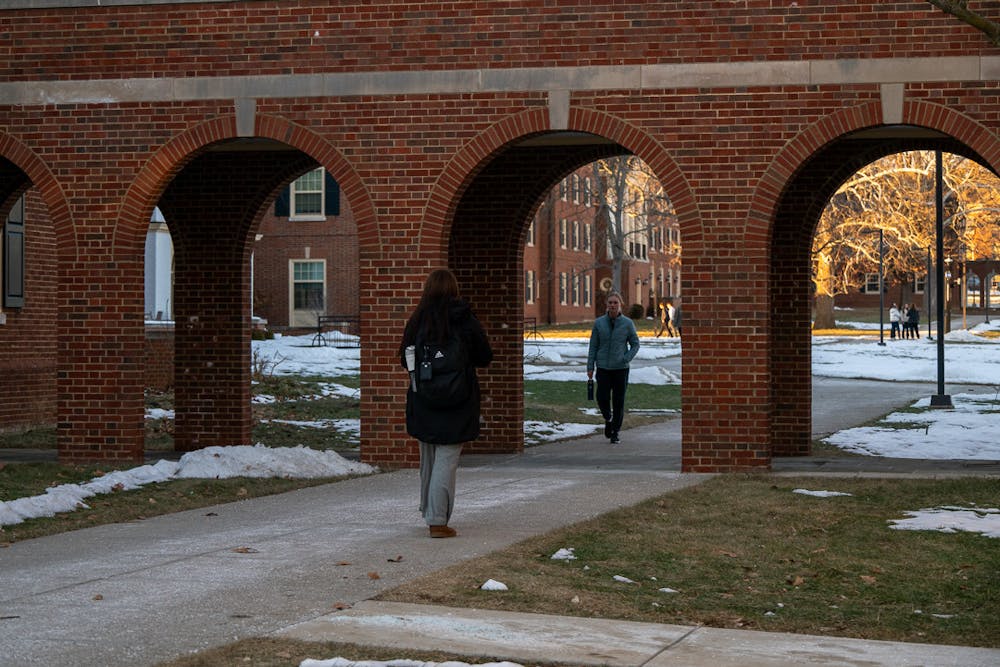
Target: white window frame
column 298, row 316
column 871, row 283
column 563, row 288
column 562, row 232
column 588, row 290
column 531, row 234
column 296, row 189
column 529, row 286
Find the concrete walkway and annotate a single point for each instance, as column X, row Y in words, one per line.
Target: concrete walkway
column 139, row 593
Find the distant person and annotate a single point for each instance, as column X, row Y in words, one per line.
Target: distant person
column 913, row 321
column 894, row 319
column 446, row 343
column 613, row 344
column 674, row 313
column 662, row 320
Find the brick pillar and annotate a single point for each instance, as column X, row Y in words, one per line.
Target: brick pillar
column 211, row 209
column 725, row 394
column 101, row 342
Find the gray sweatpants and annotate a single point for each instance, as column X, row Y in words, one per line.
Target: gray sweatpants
column 438, row 464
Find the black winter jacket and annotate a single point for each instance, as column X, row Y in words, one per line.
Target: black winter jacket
column 460, row 423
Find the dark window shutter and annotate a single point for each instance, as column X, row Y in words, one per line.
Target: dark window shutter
column 331, row 205
column 13, row 261
column 283, row 202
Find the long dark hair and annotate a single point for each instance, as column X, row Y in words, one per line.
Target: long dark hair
column 430, row 321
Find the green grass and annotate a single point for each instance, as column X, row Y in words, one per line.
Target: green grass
column 744, row 552
column 555, row 401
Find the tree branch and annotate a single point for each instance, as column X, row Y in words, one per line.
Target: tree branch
column 960, row 10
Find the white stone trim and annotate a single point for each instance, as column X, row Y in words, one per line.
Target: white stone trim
column 542, row 79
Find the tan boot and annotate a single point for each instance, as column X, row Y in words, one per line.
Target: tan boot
column 442, row 531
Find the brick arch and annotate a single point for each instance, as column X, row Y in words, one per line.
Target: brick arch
column 170, row 159
column 468, row 162
column 462, row 169
column 41, row 177
column 790, row 160
column 786, row 209
column 981, row 139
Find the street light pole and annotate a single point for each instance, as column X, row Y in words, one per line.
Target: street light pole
column 941, row 399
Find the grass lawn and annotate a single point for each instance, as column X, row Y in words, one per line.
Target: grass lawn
column 741, row 551
column 745, row 552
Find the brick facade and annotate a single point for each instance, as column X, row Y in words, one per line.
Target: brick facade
column 281, row 240
column 444, row 123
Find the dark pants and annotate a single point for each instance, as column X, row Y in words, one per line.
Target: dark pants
column 611, row 385
column 895, row 330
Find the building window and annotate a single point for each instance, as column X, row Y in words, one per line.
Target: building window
column 562, row 189
column 563, row 288
column 12, row 260
column 307, row 195
column 588, row 290
column 531, row 234
column 871, row 283
column 588, row 196
column 309, row 285
column 575, row 180
column 576, row 235
column 529, row 286
column 575, row 286
column 919, row 282
column 562, row 232
column 588, row 242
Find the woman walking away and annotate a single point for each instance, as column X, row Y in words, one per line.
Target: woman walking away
column 613, row 344
column 445, row 343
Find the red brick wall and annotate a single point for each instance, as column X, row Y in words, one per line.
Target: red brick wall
column 335, row 240
column 309, row 36
column 159, row 357
column 28, row 339
column 435, row 177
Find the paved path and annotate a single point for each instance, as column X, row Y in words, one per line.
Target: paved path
column 135, row 594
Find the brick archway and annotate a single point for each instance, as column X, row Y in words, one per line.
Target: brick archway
column 796, row 188
column 189, row 178
column 31, row 329
column 474, row 224
column 39, row 176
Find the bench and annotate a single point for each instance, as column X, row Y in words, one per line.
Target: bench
column 338, row 331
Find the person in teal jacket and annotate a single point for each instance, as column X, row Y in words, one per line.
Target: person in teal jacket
column 613, row 344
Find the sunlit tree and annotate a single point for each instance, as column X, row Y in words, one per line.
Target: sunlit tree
column 896, row 195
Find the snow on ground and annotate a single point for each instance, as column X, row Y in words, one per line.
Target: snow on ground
column 970, row 431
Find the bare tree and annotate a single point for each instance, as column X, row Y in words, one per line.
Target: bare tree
column 896, row 195
column 631, row 206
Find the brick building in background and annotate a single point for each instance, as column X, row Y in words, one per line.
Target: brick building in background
column 567, row 260
column 305, row 256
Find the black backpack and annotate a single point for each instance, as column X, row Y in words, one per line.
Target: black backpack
column 442, row 372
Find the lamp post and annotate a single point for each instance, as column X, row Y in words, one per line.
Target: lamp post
column 941, row 399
